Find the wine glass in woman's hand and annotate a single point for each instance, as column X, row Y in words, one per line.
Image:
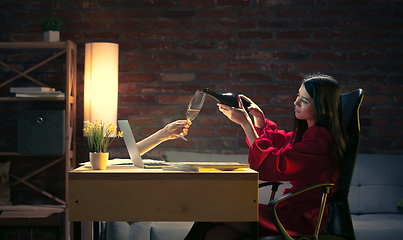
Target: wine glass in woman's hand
column 194, row 108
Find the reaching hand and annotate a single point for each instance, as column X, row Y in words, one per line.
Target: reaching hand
column 174, row 129
column 170, row 131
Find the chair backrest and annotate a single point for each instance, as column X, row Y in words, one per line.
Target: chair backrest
column 339, row 219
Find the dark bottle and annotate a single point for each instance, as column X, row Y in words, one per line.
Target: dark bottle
column 230, row 99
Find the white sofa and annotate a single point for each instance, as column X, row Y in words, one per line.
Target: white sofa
column 376, row 187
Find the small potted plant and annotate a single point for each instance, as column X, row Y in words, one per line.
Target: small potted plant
column 51, row 26
column 99, row 139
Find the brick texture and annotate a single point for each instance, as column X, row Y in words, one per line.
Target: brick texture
column 261, row 48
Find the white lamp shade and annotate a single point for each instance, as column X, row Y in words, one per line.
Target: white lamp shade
column 101, row 82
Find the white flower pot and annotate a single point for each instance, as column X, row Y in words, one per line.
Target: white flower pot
column 99, row 161
column 51, row 36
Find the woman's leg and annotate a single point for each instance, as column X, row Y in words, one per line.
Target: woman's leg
column 198, row 230
column 228, row 231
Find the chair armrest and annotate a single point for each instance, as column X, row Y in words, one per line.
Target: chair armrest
column 274, row 187
column 264, row 184
column 271, row 207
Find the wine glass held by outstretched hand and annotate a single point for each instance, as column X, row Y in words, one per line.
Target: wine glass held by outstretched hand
column 194, row 107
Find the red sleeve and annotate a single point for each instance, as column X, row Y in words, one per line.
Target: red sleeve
column 290, row 162
column 278, row 138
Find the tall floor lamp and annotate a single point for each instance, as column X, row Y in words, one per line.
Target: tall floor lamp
column 101, row 82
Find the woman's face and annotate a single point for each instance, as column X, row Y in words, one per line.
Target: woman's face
column 305, row 107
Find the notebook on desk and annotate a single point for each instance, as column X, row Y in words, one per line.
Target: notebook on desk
column 134, row 153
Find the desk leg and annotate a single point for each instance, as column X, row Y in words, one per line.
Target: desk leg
column 253, row 231
column 77, row 230
column 86, row 230
column 95, row 230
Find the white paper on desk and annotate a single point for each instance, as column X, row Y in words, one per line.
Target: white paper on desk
column 179, row 167
column 221, row 166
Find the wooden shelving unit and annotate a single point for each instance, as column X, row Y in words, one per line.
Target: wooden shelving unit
column 69, row 49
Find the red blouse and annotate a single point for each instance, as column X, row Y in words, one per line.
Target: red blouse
column 303, row 163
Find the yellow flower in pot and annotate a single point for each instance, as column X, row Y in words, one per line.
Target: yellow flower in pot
column 99, row 139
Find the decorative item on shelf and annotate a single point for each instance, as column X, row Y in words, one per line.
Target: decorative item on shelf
column 41, row 131
column 101, row 72
column 52, row 26
column 99, row 138
column 36, row 92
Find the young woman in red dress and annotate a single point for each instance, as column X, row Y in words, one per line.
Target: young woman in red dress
column 310, row 154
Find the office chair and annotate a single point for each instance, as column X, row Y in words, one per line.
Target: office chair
column 339, row 224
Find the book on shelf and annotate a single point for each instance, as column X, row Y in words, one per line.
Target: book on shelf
column 31, row 89
column 56, row 94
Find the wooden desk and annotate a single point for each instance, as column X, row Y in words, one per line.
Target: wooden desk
column 126, row 193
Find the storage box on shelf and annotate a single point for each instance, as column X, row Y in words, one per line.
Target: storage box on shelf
column 20, row 68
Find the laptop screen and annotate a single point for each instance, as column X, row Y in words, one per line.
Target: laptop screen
column 130, row 143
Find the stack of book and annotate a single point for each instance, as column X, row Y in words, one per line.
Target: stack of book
column 36, row 92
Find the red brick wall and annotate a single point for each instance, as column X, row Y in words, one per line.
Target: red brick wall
column 262, row 48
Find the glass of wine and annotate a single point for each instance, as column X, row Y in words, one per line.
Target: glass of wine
column 194, row 107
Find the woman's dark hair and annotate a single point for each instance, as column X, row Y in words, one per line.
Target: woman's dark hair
column 325, row 92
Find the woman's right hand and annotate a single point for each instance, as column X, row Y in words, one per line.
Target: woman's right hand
column 174, row 129
column 241, row 116
column 237, row 115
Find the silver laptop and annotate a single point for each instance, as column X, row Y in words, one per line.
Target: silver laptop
column 134, row 151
